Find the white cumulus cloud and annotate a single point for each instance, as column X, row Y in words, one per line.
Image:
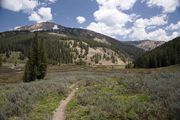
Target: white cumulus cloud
column 154, row 21
column 167, row 5
column 121, row 4
column 112, row 31
column 110, row 18
column 81, row 19
column 139, row 29
column 19, row 5
column 162, row 35
column 158, row 34
column 43, row 14
column 174, row 26
column 35, row 9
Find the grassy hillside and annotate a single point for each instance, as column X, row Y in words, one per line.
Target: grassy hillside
column 164, row 55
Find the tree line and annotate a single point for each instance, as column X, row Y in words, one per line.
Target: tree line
column 58, row 51
column 164, row 55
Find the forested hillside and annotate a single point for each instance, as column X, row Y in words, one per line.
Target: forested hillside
column 84, row 34
column 69, row 49
column 65, row 49
column 164, row 55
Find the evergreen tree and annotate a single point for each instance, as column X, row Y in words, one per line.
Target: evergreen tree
column 37, row 64
column 30, row 69
column 42, row 61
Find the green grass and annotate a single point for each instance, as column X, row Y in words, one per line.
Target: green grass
column 75, row 112
column 43, row 110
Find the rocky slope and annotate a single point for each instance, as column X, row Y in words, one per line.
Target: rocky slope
column 146, row 44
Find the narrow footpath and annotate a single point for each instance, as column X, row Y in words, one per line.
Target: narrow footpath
column 59, row 113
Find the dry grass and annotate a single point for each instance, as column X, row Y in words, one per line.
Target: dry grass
column 9, row 75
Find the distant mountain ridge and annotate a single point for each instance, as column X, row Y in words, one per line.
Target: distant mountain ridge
column 146, row 44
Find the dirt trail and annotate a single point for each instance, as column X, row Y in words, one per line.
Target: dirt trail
column 59, row 113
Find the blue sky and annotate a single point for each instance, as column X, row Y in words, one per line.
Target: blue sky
column 121, row 19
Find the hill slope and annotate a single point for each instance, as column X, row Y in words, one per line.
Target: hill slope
column 70, row 45
column 85, row 34
column 164, row 55
column 146, row 44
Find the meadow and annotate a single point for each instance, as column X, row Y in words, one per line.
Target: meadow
column 35, row 100
column 137, row 94
column 105, row 93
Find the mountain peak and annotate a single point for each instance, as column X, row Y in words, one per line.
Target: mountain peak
column 40, row 26
column 45, row 23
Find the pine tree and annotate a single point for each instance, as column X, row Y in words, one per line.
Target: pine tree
column 30, row 69
column 37, row 64
column 42, row 61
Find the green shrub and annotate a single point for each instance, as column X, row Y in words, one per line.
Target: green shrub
column 129, row 96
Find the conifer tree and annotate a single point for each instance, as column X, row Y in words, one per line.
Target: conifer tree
column 42, row 61
column 30, row 69
column 37, row 63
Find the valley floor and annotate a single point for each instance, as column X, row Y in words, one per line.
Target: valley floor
column 105, row 92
